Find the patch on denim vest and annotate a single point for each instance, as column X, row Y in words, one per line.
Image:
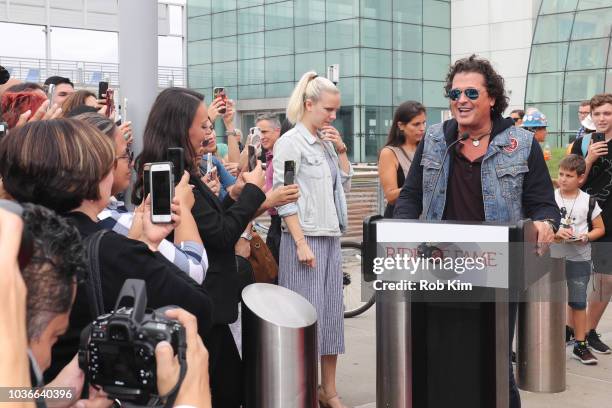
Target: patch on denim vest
column 513, row 145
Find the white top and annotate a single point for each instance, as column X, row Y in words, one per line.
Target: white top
column 574, row 214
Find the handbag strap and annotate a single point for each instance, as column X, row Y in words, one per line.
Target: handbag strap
column 93, row 284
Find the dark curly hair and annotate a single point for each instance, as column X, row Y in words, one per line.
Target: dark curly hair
column 57, row 263
column 493, row 81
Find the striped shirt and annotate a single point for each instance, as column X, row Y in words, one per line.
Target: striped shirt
column 189, row 256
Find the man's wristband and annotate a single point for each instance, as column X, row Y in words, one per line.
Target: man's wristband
column 235, row 132
column 342, row 149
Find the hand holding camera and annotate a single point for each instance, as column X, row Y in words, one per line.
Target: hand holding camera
column 214, row 109
column 154, row 233
column 597, row 148
column 184, row 192
column 255, row 176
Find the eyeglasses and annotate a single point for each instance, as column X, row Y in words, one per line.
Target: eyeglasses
column 470, row 93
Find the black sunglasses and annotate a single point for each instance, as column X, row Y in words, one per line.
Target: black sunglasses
column 470, row 93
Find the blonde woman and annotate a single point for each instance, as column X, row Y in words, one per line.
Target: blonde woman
column 310, row 260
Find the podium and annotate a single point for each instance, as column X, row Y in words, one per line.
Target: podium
column 442, row 344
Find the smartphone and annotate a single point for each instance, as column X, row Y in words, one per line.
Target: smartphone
column 146, row 185
column 219, row 91
column 124, row 110
column 50, row 93
column 209, row 163
column 110, row 102
column 102, row 88
column 255, row 136
column 598, row 137
column 162, row 192
column 289, row 176
column 176, row 155
column 252, row 157
column 3, row 129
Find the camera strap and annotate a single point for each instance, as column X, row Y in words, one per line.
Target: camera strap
column 93, row 283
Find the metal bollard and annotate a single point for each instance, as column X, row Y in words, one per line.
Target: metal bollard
column 541, row 333
column 279, row 348
column 393, row 350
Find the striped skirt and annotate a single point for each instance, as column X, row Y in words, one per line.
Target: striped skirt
column 321, row 286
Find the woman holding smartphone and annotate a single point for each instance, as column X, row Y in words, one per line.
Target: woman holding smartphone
column 179, row 118
column 407, row 130
column 310, row 258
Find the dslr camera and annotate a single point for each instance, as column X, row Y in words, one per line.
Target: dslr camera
column 117, row 350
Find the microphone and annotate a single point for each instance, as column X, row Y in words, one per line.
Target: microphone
column 4, row 75
column 460, row 139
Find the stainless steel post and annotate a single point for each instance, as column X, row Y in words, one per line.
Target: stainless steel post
column 541, row 334
column 279, row 348
column 393, row 350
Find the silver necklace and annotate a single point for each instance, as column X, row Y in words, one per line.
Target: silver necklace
column 568, row 217
column 476, row 140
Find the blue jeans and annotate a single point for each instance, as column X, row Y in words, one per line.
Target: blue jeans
column 577, row 274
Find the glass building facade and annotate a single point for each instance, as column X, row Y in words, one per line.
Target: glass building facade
column 388, row 51
column 571, row 60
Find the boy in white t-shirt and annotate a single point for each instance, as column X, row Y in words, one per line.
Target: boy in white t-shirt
column 574, row 235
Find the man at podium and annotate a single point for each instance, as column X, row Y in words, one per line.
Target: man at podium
column 475, row 167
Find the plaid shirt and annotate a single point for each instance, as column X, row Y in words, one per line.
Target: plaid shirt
column 189, row 256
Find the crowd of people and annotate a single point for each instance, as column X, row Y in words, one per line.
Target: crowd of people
column 72, row 163
column 69, row 162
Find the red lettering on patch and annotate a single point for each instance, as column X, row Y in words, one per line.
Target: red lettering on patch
column 512, row 146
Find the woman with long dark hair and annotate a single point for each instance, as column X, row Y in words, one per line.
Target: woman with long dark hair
column 407, row 130
column 179, row 118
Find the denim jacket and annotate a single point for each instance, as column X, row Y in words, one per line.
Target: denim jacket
column 503, row 169
column 322, row 210
column 515, row 180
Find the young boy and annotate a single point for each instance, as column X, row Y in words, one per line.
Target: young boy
column 574, row 233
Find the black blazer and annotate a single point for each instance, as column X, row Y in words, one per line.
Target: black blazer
column 122, row 258
column 220, row 225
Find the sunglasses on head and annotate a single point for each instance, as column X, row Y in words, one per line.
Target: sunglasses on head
column 470, row 93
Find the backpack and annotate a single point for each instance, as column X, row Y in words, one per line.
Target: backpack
column 592, row 202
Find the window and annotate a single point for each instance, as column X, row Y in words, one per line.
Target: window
column 404, row 90
column 582, row 85
column 279, row 42
column 376, row 91
column 342, row 34
column 225, row 74
column 199, row 52
column 587, row 54
column 376, row 63
column 433, row 94
column 349, row 90
column 251, row 92
column 198, row 7
column 436, row 13
column 375, row 33
column 76, row 45
column 251, row 71
column 310, row 38
column 435, row 67
column 224, row 5
column 199, row 28
column 279, row 69
column 407, row 65
column 408, row 11
column 548, row 57
column 588, row 4
column 554, row 28
column 248, row 3
column 309, row 11
column 341, row 9
column 544, row 87
column 348, row 60
column 407, row 37
column 279, row 15
column 224, row 49
column 251, row 45
column 592, row 24
column 379, row 9
column 223, row 24
column 250, row 20
column 436, row 40
column 200, row 76
column 313, row 61
column 558, row 6
column 279, row 90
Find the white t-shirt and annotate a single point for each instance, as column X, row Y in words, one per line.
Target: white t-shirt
column 574, row 213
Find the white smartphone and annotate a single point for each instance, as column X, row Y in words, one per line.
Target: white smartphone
column 255, row 137
column 162, row 192
column 209, row 162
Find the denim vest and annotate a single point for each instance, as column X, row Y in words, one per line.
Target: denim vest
column 502, row 171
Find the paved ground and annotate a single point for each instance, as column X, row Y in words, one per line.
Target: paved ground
column 587, row 386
